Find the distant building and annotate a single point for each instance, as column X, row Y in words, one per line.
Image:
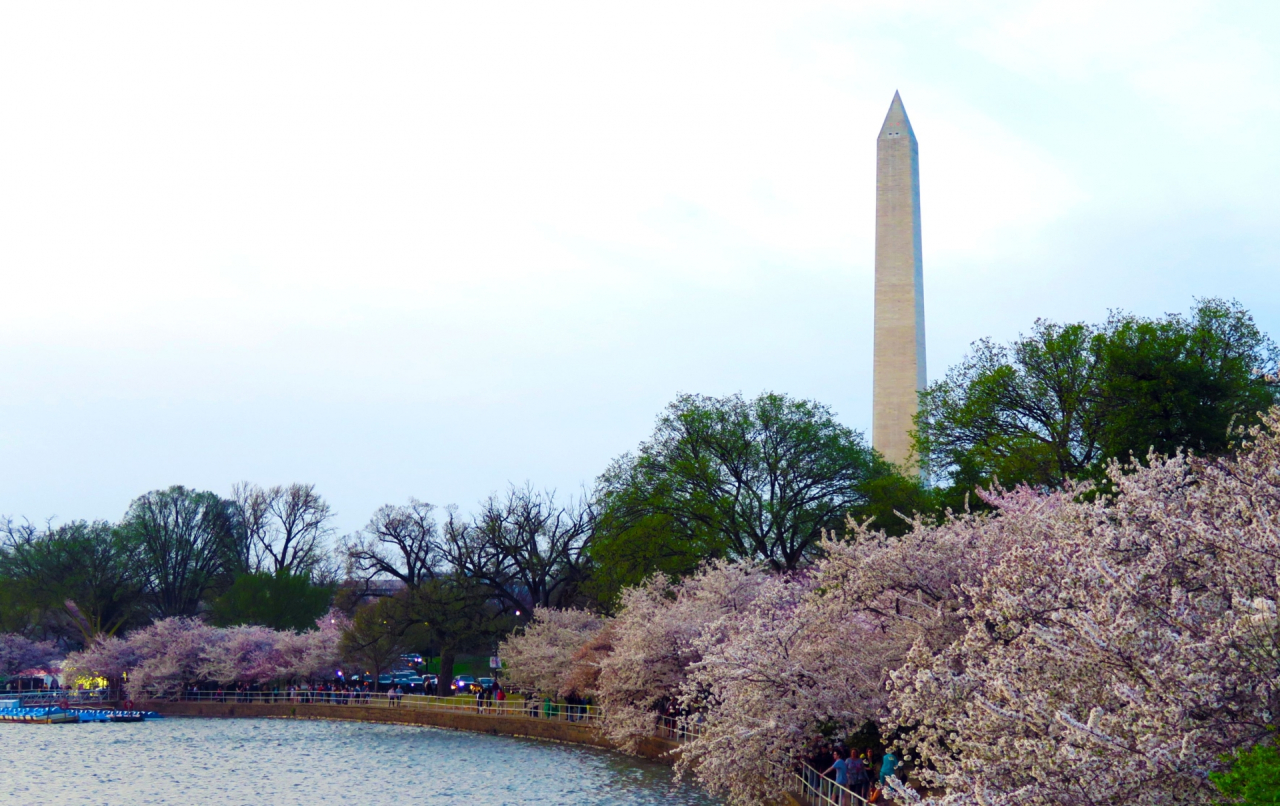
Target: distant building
column 366, row 591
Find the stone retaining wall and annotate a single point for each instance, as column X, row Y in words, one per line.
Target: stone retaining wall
column 552, row 729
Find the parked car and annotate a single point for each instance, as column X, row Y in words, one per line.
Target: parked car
column 464, row 683
column 487, row 683
column 408, row 681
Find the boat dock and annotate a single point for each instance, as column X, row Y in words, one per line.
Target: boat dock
column 12, row 710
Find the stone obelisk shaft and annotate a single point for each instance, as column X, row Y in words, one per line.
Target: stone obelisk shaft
column 899, row 370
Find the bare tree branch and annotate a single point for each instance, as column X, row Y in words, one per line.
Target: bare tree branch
column 528, row 549
column 287, row 527
column 401, row 542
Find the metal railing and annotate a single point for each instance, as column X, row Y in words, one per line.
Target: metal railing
column 518, row 708
column 56, row 696
column 677, row 729
column 819, row 790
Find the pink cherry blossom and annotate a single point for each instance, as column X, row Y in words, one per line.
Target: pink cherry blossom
column 1120, row 645
column 18, row 654
column 539, row 657
column 163, row 658
column 659, row 635
column 1079, row 646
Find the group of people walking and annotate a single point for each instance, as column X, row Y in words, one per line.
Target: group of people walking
column 490, row 699
column 303, row 693
column 572, row 709
column 853, row 771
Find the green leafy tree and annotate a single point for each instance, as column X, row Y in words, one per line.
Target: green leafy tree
column 377, row 636
column 1029, row 412
column 280, row 600
column 1062, row 401
column 729, row 477
column 190, row 547
column 454, row 614
column 16, row 615
column 630, row 547
column 892, row 500
column 1253, row 779
column 1184, row 382
column 82, row 577
column 449, row 614
column 20, row 612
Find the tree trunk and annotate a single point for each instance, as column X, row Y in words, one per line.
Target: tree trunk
column 446, row 672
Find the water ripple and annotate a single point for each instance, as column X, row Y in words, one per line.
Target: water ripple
column 280, row 762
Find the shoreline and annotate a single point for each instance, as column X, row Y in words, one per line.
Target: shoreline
column 653, row 748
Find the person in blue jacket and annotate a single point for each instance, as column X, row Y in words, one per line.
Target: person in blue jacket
column 841, row 768
column 888, row 767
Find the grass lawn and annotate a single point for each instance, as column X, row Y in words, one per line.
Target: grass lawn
column 475, row 665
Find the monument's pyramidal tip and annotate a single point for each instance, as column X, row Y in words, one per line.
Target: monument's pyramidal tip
column 896, row 123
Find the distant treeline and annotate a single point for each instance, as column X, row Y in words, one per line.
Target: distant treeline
column 720, row 478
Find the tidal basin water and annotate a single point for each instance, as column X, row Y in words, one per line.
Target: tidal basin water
column 282, row 762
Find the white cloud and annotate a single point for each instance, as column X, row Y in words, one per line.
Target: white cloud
column 416, row 249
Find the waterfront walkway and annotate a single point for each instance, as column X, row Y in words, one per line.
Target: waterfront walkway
column 574, row 724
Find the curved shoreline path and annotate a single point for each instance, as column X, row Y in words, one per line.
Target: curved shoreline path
column 464, row 718
column 284, row 762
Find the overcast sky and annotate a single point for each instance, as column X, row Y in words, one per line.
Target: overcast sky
column 427, row 249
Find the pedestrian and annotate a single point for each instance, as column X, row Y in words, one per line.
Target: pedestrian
column 841, row 768
column 859, row 776
column 888, row 767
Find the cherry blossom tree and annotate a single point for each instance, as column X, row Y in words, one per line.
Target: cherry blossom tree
column 173, row 652
column 1120, row 646
column 1068, row 648
column 539, row 657
column 109, row 656
column 320, row 649
column 161, row 659
column 245, row 654
column 583, row 677
column 745, row 691
column 656, row 641
column 809, row 659
column 18, row 654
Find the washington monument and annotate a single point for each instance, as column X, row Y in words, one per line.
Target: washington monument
column 898, row 369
